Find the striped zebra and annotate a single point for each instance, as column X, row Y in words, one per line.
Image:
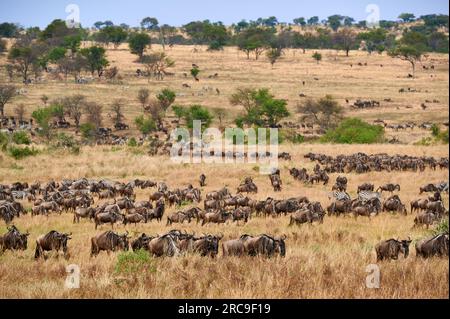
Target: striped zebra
column 365, row 196
column 340, row 196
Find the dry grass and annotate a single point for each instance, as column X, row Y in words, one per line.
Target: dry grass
column 322, row 261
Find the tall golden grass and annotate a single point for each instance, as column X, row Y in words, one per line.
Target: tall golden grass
column 322, row 261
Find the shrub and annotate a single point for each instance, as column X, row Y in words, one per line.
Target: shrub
column 132, row 142
column 4, row 140
column 354, row 131
column 292, row 136
column 19, row 152
column 88, row 130
column 134, row 263
column 21, row 137
column 145, row 125
column 442, row 227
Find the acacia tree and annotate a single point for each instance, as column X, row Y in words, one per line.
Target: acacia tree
column 24, row 54
column 7, row 92
column 317, row 56
column 95, row 59
column 273, row 55
column 256, row 40
column 94, row 114
column 19, row 110
column 344, row 39
column 73, row 106
column 410, row 48
column 117, row 107
column 143, row 96
column 325, row 112
column 138, row 42
column 157, row 64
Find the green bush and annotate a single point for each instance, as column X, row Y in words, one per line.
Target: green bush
column 354, row 131
column 442, row 227
column 145, row 125
column 88, row 130
column 4, row 140
column 134, row 262
column 19, row 152
column 21, row 137
column 132, row 142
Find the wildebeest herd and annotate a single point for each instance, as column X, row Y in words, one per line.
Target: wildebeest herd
column 116, row 203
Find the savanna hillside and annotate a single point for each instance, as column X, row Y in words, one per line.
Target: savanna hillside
column 322, row 261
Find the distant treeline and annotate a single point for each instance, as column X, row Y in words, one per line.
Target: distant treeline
column 336, row 32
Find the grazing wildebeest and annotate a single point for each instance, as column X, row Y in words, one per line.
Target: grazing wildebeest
column 158, row 212
column 430, row 188
column 242, row 213
column 202, row 180
column 389, row 188
column 394, row 204
column 426, row 218
column 365, row 210
column 339, row 207
column 306, row 216
column 275, row 180
column 109, row 241
column 178, row 217
column 433, row 246
column 134, row 218
column 164, row 246
column 141, row 242
column 156, row 196
column 419, row 204
column 234, row 247
column 207, row 245
column 265, row 245
column 218, row 217
column 52, row 241
column 13, row 240
column 82, row 212
column 110, row 217
column 366, row 187
column 391, row 248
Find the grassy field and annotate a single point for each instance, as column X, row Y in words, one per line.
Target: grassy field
column 322, row 261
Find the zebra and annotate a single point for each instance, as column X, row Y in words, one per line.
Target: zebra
column 340, row 196
column 365, row 196
column 442, row 187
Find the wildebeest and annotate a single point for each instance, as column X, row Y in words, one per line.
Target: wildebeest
column 141, row 242
column 389, row 188
column 419, row 204
column 241, row 213
column 433, row 246
column 392, row 248
column 110, row 217
column 134, row 218
column 207, row 245
column 394, row 204
column 109, row 241
column 202, row 180
column 178, row 217
column 306, row 216
column 82, row 212
column 366, row 187
column 248, row 186
column 429, row 188
column 426, row 218
column 52, row 241
column 217, row 217
column 158, row 212
column 163, row 246
column 234, row 247
column 13, row 240
column 264, row 245
column 339, row 207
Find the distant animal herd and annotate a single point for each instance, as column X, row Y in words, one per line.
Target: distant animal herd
column 116, row 203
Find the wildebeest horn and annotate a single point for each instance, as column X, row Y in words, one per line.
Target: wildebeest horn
column 283, row 237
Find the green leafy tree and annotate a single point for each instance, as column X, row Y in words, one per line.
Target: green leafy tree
column 410, row 48
column 345, row 39
column 299, row 21
column 262, row 109
column 354, row 131
column 95, row 58
column 138, row 42
column 326, row 112
column 317, row 56
column 157, row 64
column 43, row 117
column 8, row 30
column 24, row 55
column 273, row 55
column 113, row 34
column 166, row 98
column 149, row 23
column 145, row 125
column 195, row 72
column 407, row 17
column 335, row 21
column 313, row 20
column 7, row 92
column 375, row 40
column 197, row 113
column 256, row 40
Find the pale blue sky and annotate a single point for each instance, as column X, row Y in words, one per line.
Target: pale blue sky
column 178, row 12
